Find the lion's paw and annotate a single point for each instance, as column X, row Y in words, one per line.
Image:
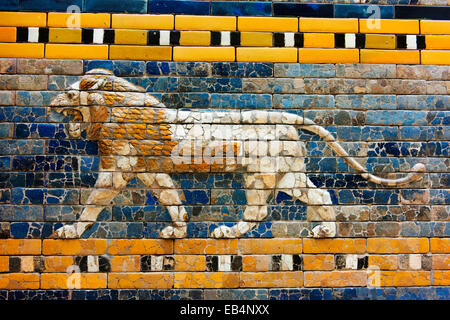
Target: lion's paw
column 324, row 230
column 223, row 232
column 172, row 232
column 65, row 232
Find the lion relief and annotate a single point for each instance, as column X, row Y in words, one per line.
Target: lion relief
column 138, row 136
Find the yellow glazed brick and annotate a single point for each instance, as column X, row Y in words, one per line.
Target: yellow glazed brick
column 140, row 280
column 384, row 262
column 398, row 278
column 7, row 34
column 20, row 247
column 380, row 41
column 340, row 245
column 271, row 24
column 141, row 246
column 130, row 36
column 266, row 54
column 390, row 56
column 388, row 26
column 4, row 263
column 335, row 279
column 437, row 42
column 125, row 264
column 190, row 263
column 64, row 35
column 206, row 246
column 270, row 246
column 206, row 280
column 256, row 39
column 19, row 281
column 73, row 280
column 256, row 263
column 195, row 38
column 328, row 55
column 438, row 245
column 23, row 19
column 21, row 50
column 186, row 22
column 318, row 40
column 441, row 278
column 57, row 263
column 328, row 25
column 142, row 21
column 79, row 20
column 140, row 52
column 74, row 247
column 441, row 261
column 271, row 279
column 434, row 27
column 397, row 245
column 318, row 262
column 76, row 51
column 203, row 53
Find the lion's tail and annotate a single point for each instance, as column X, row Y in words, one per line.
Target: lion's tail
column 415, row 174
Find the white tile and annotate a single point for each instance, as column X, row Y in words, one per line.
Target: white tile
column 164, row 37
column 157, row 263
column 225, row 38
column 289, row 39
column 411, row 41
column 224, row 263
column 351, row 262
column 33, row 34
column 92, row 263
column 415, row 261
column 350, row 40
column 98, row 36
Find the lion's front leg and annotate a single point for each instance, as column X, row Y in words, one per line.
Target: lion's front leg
column 168, row 195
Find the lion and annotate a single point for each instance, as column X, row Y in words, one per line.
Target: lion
column 138, row 136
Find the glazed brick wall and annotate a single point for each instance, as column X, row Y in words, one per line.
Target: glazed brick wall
column 390, row 242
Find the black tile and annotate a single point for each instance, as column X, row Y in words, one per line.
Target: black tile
column 363, row 262
column 360, row 40
column 82, row 263
column 421, row 42
column 298, row 40
column 235, row 38
column 146, row 263
column 216, row 38
column 22, row 34
column 297, row 262
column 340, row 261
column 212, row 263
column 87, row 35
column 339, row 40
column 175, row 38
column 401, row 41
column 43, row 35
column 153, row 38
column 303, row 10
column 168, row 263
column 14, row 264
column 422, row 12
column 278, row 39
column 276, row 263
column 236, row 263
column 108, row 36
column 103, row 264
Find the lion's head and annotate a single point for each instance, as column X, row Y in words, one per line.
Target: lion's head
column 88, row 100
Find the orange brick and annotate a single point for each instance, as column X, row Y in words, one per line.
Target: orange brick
column 266, row 54
column 206, row 280
column 441, row 278
column 341, row 245
column 19, row 281
column 7, row 34
column 441, row 261
column 140, row 280
column 336, row 279
column 79, row 20
column 23, row 19
column 125, row 264
column 22, row 50
column 399, row 278
column 206, row 246
column 140, row 52
column 390, row 56
column 190, row 263
column 20, row 247
column 4, row 264
column 73, row 280
column 203, row 54
column 271, row 279
column 309, row 55
column 318, row 262
column 439, row 245
column 76, row 51
column 256, row 263
column 146, row 246
column 397, row 245
column 275, row 246
column 74, row 247
column 387, row 262
column 57, row 263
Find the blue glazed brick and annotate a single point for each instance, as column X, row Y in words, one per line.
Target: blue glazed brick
column 40, row 130
column 289, row 101
column 49, row 5
column 421, row 12
column 251, row 101
column 184, row 100
column 179, row 7
column 33, row 230
column 38, row 295
column 235, row 8
column 242, row 69
column 45, row 163
column 9, row 5
column 130, row 6
column 62, row 212
column 81, row 147
column 170, row 294
column 366, row 102
column 196, row 197
column 155, row 84
column 5, row 130
column 362, row 11
column 5, row 163
column 140, row 213
column 20, row 213
column 236, row 294
column 303, row 10
column 22, row 146
column 89, row 163
column 120, row 68
column 287, row 213
column 44, row 196
column 439, row 196
column 397, row 117
column 210, row 84
column 112, row 230
column 20, row 179
column 23, row 114
column 104, row 294
column 35, row 98
column 296, row 70
column 197, row 230
column 158, row 68
column 153, row 229
column 423, row 102
column 301, row 294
